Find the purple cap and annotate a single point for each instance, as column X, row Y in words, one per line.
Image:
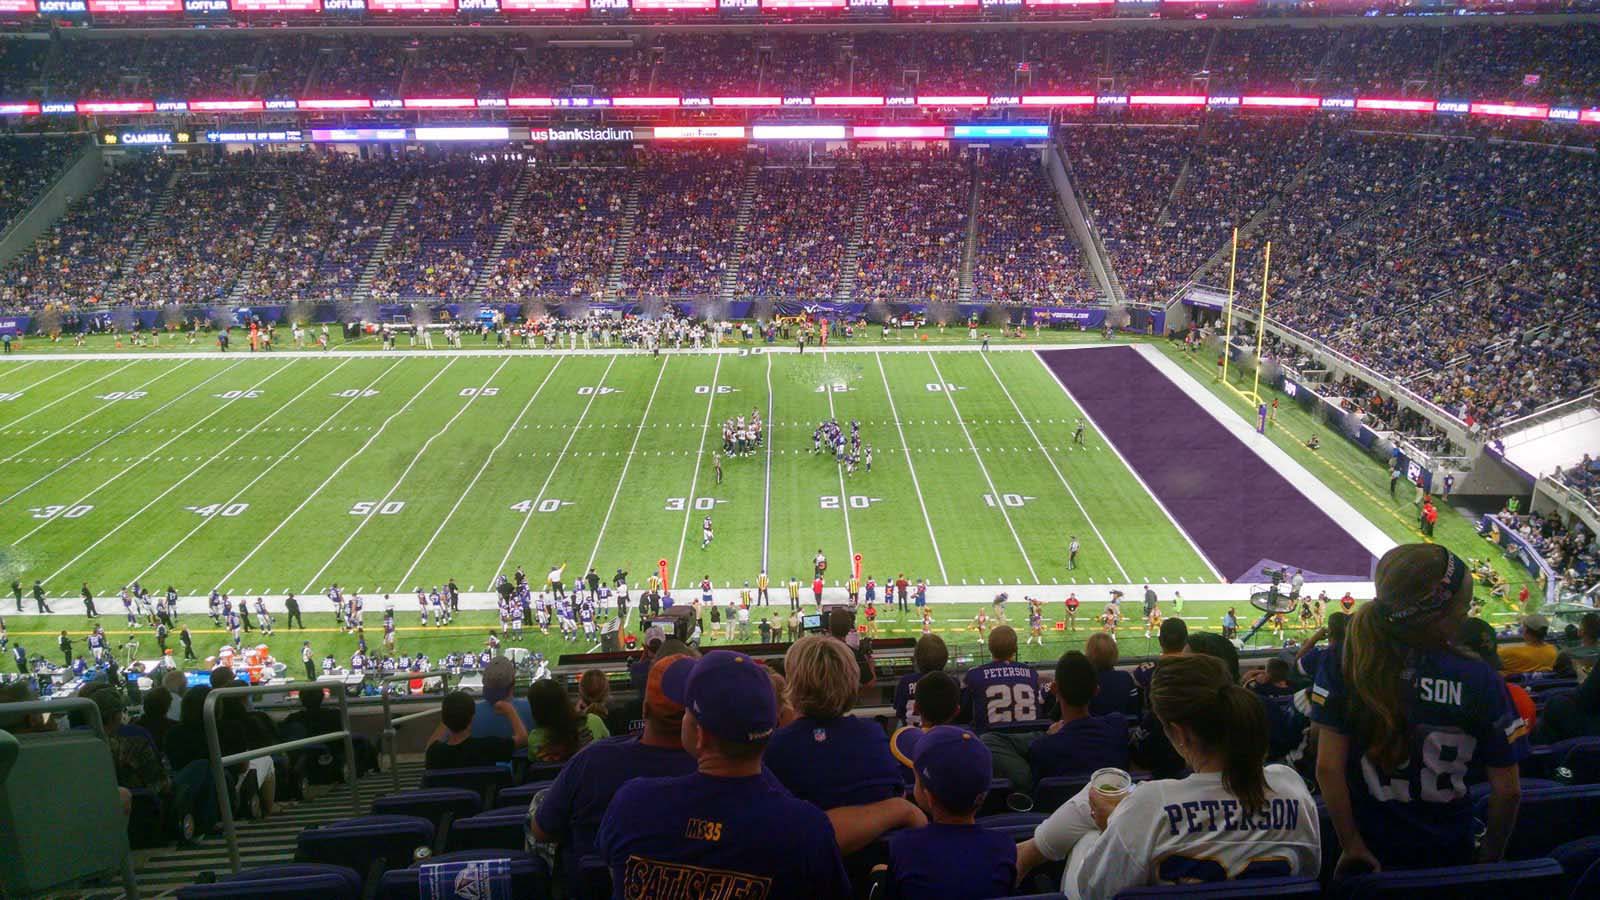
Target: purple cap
column 729, row 694
column 950, row 762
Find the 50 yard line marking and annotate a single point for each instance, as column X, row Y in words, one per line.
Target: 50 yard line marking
column 264, row 472
column 694, row 480
column 196, row 470
column 950, row 395
column 528, row 516
column 367, row 518
column 1053, row 467
column 219, row 584
column 479, row 474
column 844, row 493
column 626, row 462
column 916, row 485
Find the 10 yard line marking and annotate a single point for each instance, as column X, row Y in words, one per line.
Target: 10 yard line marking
column 950, row 395
column 844, row 494
column 28, row 364
column 766, row 499
column 31, row 385
column 86, row 415
column 528, row 516
column 916, row 485
column 196, row 470
column 137, row 461
column 688, row 508
column 481, row 469
column 1049, row 459
column 264, row 472
column 367, row 518
column 626, row 462
column 329, row 480
column 67, row 396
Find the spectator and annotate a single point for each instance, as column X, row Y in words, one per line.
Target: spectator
column 939, row 699
column 1117, row 691
column 1274, row 680
column 1310, row 658
column 1580, row 658
column 1571, row 714
column 1534, row 654
column 559, row 729
column 137, row 762
column 1001, row 691
column 826, row 756
column 594, row 694
column 1174, row 641
column 453, row 746
column 312, row 717
column 1115, row 842
column 1478, row 638
column 1079, row 743
column 952, row 856
column 155, row 719
column 186, row 741
column 930, row 655
column 499, row 679
column 1386, row 799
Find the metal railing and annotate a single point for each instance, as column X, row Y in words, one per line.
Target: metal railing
column 219, row 763
column 391, row 730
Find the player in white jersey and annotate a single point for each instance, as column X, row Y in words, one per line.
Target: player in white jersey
column 1233, row 818
column 705, row 533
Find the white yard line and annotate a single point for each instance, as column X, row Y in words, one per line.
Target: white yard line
column 766, row 498
column 404, row 473
column 626, row 462
column 694, row 481
column 908, row 346
column 572, row 434
column 479, row 474
column 265, row 472
column 136, row 461
column 18, row 368
column 844, row 493
column 1047, row 458
column 96, row 411
column 33, row 384
column 196, row 470
column 113, row 436
column 221, row 583
column 994, row 491
column 905, row 448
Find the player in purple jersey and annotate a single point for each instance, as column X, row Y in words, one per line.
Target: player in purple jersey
column 1001, row 691
column 1399, row 733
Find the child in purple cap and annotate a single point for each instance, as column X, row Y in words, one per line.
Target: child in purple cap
column 952, row 857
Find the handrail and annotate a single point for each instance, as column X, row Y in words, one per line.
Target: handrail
column 390, row 732
column 56, row 703
column 218, row 761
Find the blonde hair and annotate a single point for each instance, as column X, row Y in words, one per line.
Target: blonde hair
column 1101, row 650
column 823, row 676
column 594, row 689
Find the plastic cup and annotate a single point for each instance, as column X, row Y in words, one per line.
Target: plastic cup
column 1111, row 783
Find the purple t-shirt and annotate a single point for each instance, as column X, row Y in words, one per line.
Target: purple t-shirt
column 1118, row 693
column 905, row 699
column 835, row 762
column 958, row 862
column 1000, row 693
column 1081, row 746
column 575, row 804
column 696, row 835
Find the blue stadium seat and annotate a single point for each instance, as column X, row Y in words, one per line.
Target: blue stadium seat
column 530, row 877
column 1587, row 885
column 281, row 882
column 534, row 772
column 1550, row 817
column 497, row 829
column 520, row 795
column 1577, row 857
column 595, row 876
column 995, row 802
column 1534, row 879
column 368, row 844
column 1581, row 759
column 437, row 805
column 1019, row 825
column 1255, row 888
column 484, row 780
column 1050, row 793
column 1479, row 791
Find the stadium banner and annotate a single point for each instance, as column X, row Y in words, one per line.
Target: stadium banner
column 604, row 135
column 144, row 137
column 256, row 136
column 14, row 325
column 1205, row 298
column 63, row 7
column 134, row 7
column 275, row 6
column 1066, row 317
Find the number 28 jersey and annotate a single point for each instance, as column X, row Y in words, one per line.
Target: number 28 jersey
column 1000, row 693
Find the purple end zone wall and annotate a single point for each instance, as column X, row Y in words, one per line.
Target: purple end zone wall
column 1242, row 512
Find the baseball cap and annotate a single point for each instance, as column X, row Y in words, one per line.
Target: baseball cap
column 729, row 693
column 654, row 635
column 1535, row 622
column 951, row 762
column 654, row 694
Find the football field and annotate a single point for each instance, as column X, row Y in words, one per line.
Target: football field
column 384, row 472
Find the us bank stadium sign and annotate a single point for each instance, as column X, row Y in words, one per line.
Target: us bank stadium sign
column 580, row 135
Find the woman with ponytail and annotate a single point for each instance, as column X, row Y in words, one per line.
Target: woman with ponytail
column 1234, row 817
column 1402, row 714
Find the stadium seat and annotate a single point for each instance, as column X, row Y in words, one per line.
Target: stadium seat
column 535, row 772
column 998, row 799
column 1256, row 888
column 1577, row 857
column 1586, row 885
column 1581, row 760
column 483, row 780
column 368, row 844
column 530, row 877
column 437, row 805
column 1019, row 825
column 1479, row 791
column 1534, row 879
column 1550, row 817
column 497, row 829
column 286, row 880
column 595, row 876
column 520, row 795
column 1050, row 793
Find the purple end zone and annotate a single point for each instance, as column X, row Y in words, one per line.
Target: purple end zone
column 1239, row 509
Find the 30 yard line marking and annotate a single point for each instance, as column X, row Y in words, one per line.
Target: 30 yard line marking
column 1053, row 467
column 114, row 435
column 479, row 474
column 571, row 434
column 951, row 396
column 626, row 462
column 916, row 485
column 220, row 584
column 694, row 480
column 766, row 498
column 86, row 415
column 844, row 493
column 266, row 471
column 404, row 473
column 196, row 470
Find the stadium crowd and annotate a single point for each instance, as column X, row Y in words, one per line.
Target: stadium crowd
column 27, row 167
column 564, row 250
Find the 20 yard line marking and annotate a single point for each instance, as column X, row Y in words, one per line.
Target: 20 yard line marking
column 694, row 481
column 417, row 457
column 538, row 498
column 96, row 411
column 266, row 471
column 196, row 470
column 626, row 462
column 916, row 485
column 479, row 474
column 950, row 395
column 1051, row 460
column 844, row 493
column 329, row 480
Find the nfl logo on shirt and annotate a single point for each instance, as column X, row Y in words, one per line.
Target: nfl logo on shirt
column 819, row 734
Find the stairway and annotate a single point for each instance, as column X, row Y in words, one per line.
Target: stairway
column 969, row 247
column 625, row 232
column 1058, row 165
column 516, row 214
column 158, row 211
column 850, row 265
column 240, row 294
column 380, row 250
column 741, row 227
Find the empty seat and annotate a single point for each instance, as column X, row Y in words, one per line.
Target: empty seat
column 1534, row 879
column 530, row 877
column 287, row 880
column 1577, row 857
column 484, row 780
column 368, row 844
column 1019, row 825
column 521, row 795
column 1050, row 793
column 1255, row 888
column 433, row 804
column 1550, row 817
column 1581, row 760
column 497, row 829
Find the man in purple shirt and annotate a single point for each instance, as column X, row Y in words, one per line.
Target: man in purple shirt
column 1079, row 742
column 1002, row 691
